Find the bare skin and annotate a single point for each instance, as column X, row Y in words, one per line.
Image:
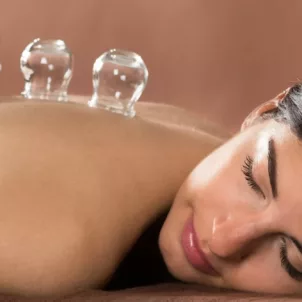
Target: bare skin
column 78, row 185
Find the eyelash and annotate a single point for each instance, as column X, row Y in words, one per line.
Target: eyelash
column 248, row 175
column 294, row 273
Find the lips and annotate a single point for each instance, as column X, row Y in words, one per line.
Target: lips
column 194, row 254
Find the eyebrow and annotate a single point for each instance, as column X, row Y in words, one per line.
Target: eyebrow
column 296, row 243
column 272, row 167
column 272, row 172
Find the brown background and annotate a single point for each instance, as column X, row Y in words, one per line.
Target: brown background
column 218, row 57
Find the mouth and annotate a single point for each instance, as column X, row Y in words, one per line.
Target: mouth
column 194, row 254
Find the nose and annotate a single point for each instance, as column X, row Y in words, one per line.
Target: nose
column 233, row 237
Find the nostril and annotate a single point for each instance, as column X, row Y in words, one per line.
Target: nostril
column 236, row 237
column 227, row 253
column 243, row 257
column 231, row 239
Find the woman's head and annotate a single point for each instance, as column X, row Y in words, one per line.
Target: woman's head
column 240, row 209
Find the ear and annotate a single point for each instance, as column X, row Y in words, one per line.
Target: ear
column 265, row 107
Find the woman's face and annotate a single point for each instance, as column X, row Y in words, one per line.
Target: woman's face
column 237, row 220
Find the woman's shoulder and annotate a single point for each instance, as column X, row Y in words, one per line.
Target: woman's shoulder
column 175, row 116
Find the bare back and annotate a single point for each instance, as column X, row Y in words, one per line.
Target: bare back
column 78, row 185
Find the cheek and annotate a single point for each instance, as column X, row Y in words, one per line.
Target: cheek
column 215, row 179
column 217, row 163
column 217, row 184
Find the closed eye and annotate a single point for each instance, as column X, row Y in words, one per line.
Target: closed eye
column 292, row 271
column 247, row 170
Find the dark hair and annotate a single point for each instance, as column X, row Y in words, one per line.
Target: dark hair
column 289, row 111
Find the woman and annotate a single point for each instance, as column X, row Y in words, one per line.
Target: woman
column 236, row 221
column 78, row 187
